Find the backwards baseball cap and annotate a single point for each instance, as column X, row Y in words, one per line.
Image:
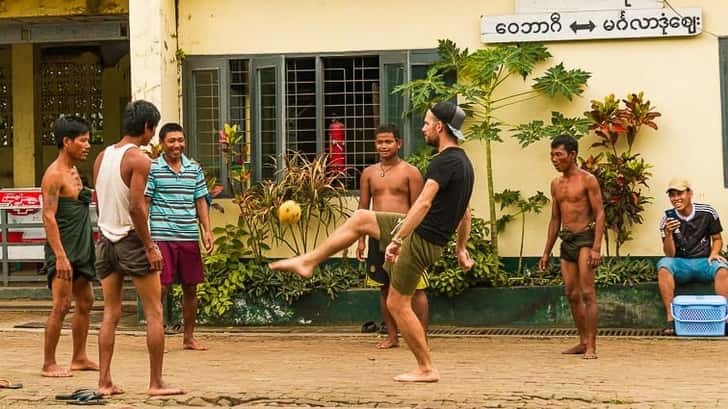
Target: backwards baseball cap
column 679, row 184
column 452, row 115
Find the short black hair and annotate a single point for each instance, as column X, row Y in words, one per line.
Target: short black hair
column 137, row 116
column 170, row 127
column 567, row 141
column 69, row 126
column 387, row 128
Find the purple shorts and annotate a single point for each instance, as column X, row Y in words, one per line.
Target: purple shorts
column 182, row 262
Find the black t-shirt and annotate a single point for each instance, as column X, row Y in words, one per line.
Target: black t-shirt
column 693, row 240
column 453, row 172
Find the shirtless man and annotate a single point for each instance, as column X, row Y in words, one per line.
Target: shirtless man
column 125, row 246
column 392, row 185
column 576, row 210
column 69, row 251
column 414, row 242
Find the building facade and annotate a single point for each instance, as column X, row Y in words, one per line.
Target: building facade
column 287, row 71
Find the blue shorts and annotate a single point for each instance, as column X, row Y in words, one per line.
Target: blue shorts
column 685, row 270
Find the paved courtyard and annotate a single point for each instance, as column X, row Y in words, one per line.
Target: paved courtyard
column 253, row 369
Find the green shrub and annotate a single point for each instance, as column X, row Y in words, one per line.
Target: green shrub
column 612, row 271
column 232, row 274
column 446, row 276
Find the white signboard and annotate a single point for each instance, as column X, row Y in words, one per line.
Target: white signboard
column 589, row 25
column 545, row 6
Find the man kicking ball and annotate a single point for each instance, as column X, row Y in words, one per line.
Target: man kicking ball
column 414, row 241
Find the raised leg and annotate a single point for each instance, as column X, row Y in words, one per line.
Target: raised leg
column 362, row 222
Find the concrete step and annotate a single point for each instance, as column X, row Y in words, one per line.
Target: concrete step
column 46, row 306
column 43, row 293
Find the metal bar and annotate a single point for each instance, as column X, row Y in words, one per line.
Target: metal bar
column 5, row 262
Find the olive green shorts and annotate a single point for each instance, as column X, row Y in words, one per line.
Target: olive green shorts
column 416, row 254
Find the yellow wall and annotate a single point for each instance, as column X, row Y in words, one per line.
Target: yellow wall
column 26, row 149
column 153, row 43
column 679, row 75
column 49, row 8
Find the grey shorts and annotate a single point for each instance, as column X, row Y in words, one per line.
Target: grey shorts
column 126, row 256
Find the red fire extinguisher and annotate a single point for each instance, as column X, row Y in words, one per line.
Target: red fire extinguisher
column 337, row 140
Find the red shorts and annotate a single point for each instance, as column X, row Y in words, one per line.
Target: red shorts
column 182, row 262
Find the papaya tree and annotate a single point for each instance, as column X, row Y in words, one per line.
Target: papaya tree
column 481, row 76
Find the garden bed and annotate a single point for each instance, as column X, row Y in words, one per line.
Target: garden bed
column 637, row 306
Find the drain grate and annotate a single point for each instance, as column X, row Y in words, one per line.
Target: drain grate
column 547, row 332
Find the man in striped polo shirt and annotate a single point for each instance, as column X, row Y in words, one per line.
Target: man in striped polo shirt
column 176, row 191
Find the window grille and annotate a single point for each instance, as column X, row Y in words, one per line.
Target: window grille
column 351, row 95
column 240, row 95
column 301, row 106
column 207, row 120
column 268, row 121
column 70, row 88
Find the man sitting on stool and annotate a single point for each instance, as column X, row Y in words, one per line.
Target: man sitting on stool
column 692, row 243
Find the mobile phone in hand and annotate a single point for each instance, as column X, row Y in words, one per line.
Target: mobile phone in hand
column 672, row 214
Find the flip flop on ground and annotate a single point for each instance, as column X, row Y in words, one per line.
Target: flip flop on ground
column 82, row 397
column 369, row 327
column 669, row 328
column 6, row 384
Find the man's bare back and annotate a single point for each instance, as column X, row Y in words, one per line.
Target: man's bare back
column 391, row 189
column 571, row 195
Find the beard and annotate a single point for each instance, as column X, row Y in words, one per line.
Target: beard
column 434, row 142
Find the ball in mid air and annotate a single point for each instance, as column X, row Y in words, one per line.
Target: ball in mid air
column 289, row 212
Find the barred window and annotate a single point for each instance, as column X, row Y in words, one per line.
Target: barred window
column 306, row 103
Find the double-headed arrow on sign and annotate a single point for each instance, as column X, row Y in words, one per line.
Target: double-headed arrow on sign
column 577, row 27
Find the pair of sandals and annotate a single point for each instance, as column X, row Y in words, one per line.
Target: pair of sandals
column 83, row 397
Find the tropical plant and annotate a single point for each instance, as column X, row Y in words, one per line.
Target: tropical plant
column 421, row 158
column 317, row 187
column 481, row 76
column 446, row 276
column 621, row 175
column 232, row 276
column 514, row 199
column 236, row 154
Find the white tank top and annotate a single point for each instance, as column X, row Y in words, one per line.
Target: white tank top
column 113, row 195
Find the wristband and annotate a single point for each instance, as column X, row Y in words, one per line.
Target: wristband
column 397, row 241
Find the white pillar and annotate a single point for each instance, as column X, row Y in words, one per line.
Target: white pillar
column 153, row 46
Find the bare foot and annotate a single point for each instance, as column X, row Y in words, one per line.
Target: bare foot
column 294, row 265
column 55, row 371
column 388, row 343
column 577, row 349
column 590, row 354
column 84, row 365
column 110, row 390
column 165, row 390
column 193, row 345
column 419, row 375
